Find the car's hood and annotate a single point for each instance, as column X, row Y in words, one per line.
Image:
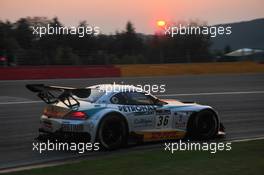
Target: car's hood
column 177, row 103
column 186, row 106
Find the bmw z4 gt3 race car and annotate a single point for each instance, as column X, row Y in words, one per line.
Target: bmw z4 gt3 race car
column 113, row 117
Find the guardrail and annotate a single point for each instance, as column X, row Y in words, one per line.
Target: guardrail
column 56, row 72
column 190, row 68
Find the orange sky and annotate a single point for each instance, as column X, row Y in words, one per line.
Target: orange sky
column 111, row 15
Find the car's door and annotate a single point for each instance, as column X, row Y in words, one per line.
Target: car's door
column 163, row 117
column 149, row 114
column 142, row 110
column 136, row 107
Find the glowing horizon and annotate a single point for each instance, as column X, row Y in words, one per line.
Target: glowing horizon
column 112, row 15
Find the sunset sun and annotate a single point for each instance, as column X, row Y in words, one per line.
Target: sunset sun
column 161, row 23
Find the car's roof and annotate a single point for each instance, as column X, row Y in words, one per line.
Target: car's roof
column 115, row 88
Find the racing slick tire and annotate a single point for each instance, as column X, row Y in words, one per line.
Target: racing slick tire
column 203, row 125
column 112, row 132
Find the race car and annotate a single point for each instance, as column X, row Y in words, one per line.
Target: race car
column 112, row 114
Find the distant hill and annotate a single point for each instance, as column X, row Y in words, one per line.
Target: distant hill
column 246, row 34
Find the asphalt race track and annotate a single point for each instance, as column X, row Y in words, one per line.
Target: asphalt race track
column 239, row 99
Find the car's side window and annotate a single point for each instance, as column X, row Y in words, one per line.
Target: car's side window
column 137, row 98
column 119, row 98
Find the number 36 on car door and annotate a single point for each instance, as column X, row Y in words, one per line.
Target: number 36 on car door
column 163, row 119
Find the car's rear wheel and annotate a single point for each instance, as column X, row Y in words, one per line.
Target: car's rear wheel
column 203, row 125
column 112, row 132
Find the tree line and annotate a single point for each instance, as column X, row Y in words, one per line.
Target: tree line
column 21, row 47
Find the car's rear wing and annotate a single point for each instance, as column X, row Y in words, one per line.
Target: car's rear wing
column 54, row 94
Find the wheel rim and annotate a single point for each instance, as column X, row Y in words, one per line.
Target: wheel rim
column 206, row 124
column 111, row 133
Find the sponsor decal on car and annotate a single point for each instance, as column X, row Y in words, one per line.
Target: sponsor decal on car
column 181, row 119
column 163, row 112
column 143, row 122
column 71, row 128
column 136, row 108
column 162, row 135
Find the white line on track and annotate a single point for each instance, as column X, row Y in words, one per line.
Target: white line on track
column 246, row 140
column 214, row 93
column 19, row 102
column 162, row 95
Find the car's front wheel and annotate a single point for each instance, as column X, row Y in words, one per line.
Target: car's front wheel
column 112, row 132
column 203, row 125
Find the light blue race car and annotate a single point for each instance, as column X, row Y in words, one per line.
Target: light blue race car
column 114, row 115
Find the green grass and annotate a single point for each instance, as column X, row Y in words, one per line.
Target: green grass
column 244, row 158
